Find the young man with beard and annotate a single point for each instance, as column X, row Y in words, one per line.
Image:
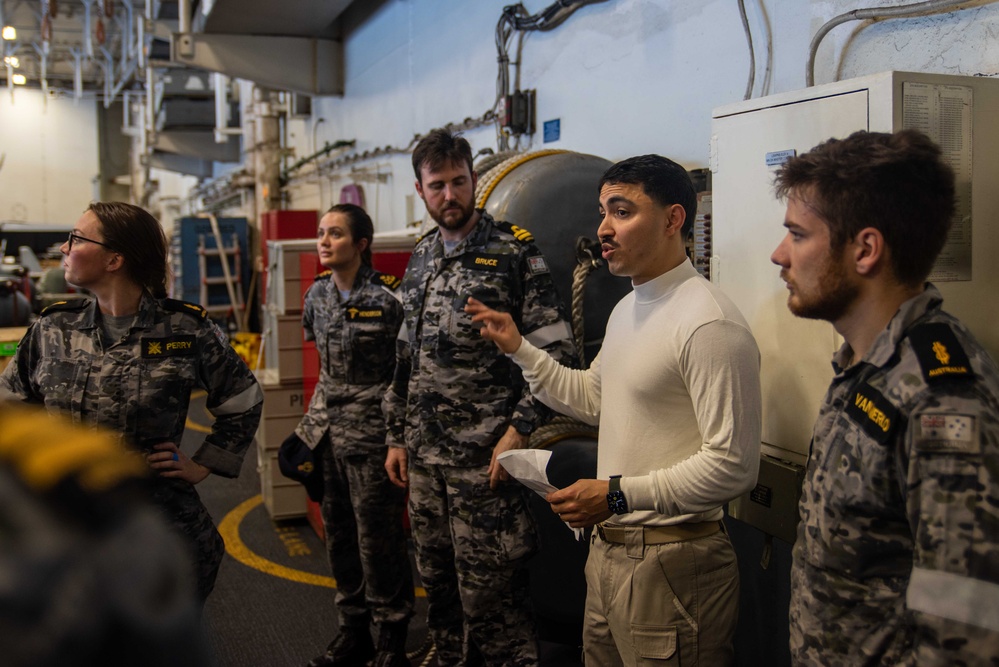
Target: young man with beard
column 456, row 403
column 898, row 545
column 676, row 392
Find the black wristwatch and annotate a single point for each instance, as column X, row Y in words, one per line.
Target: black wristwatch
column 523, row 426
column 615, row 496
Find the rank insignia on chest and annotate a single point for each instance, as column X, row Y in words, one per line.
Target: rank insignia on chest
column 365, row 314
column 872, row 412
column 496, row 263
column 167, row 346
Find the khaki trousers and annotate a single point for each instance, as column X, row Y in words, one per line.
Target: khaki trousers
column 661, row 604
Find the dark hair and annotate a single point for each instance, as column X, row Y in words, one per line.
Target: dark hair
column 441, row 147
column 138, row 237
column 664, row 181
column 360, row 225
column 896, row 183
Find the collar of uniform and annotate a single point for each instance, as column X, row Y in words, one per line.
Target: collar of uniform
column 884, row 346
column 477, row 237
column 144, row 318
column 148, row 310
column 89, row 315
column 364, row 273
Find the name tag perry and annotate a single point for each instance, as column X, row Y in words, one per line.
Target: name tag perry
column 167, row 346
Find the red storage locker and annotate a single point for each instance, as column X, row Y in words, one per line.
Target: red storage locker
column 280, row 225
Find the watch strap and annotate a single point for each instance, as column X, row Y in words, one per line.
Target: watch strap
column 616, row 502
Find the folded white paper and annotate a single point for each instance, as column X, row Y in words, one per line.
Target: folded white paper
column 530, row 468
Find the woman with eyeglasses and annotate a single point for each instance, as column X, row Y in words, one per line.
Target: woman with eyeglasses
column 127, row 359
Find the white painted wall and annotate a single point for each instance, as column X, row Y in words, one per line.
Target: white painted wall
column 50, row 157
column 625, row 76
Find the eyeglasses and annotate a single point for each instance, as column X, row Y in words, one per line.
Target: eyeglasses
column 76, row 237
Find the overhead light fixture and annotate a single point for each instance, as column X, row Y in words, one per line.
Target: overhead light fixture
column 9, row 33
column 19, row 79
column 13, row 61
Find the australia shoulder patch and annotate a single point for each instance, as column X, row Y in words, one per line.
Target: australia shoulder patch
column 537, row 265
column 947, row 433
column 192, row 309
column 940, row 355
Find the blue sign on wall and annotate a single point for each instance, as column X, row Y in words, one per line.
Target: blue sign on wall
column 553, row 130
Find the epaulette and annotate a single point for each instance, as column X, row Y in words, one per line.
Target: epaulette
column 192, row 309
column 325, row 275
column 939, row 353
column 69, row 304
column 386, row 280
column 519, row 233
column 429, row 232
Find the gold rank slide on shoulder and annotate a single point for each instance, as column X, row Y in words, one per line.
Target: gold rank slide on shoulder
column 939, row 353
column 192, row 309
column 167, row 346
column 521, row 234
column 388, row 280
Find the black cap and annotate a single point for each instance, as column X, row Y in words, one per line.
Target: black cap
column 301, row 464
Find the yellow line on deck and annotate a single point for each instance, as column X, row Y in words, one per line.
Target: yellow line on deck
column 234, row 545
column 229, row 528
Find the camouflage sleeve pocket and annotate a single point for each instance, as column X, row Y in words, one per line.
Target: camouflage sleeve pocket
column 948, row 465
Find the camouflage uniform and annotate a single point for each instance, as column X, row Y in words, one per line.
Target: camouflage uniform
column 89, row 574
column 453, row 397
column 140, row 386
column 362, row 510
column 897, row 557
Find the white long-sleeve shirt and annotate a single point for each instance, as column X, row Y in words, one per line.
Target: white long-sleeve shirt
column 675, row 390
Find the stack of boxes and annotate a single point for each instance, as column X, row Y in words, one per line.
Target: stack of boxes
column 282, row 378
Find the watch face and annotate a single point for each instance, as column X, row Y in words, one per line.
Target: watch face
column 616, row 502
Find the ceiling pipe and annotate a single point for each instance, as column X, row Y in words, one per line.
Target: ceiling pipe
column 148, row 109
column 77, row 73
column 140, row 41
column 88, row 30
column 108, row 74
column 125, row 26
column 184, row 24
column 222, row 129
column 43, row 57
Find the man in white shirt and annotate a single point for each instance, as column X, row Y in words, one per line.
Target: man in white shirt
column 675, row 391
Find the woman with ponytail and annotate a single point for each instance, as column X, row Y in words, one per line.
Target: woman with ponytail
column 127, row 358
column 353, row 313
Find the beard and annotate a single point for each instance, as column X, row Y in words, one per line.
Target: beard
column 830, row 301
column 464, row 214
